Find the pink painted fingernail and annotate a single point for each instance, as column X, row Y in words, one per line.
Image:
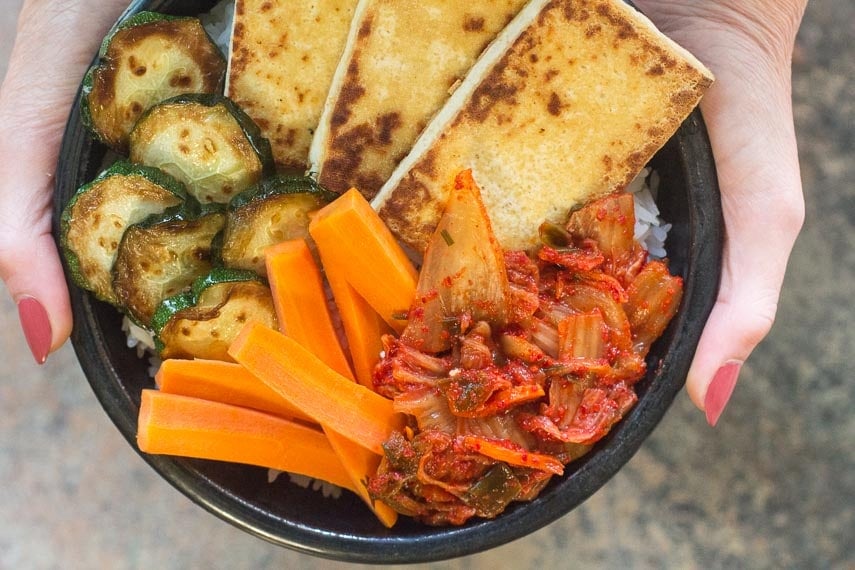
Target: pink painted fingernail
column 36, row 325
column 720, row 389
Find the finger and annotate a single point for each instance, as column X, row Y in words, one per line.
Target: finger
column 35, row 98
column 752, row 137
column 31, row 269
column 743, row 315
column 30, row 136
column 29, row 262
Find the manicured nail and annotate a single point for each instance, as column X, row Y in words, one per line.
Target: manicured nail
column 36, row 325
column 720, row 389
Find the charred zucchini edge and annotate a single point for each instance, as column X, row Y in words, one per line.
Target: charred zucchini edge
column 280, row 185
column 138, row 19
column 251, row 131
column 177, row 213
column 121, row 168
column 188, row 299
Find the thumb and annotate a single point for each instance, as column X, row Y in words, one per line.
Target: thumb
column 751, row 131
column 31, row 119
column 34, row 104
column 30, row 267
column 741, row 318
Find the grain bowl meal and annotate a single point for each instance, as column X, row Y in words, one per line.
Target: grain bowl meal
column 410, row 252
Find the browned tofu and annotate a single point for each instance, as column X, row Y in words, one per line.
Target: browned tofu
column 400, row 63
column 569, row 103
column 283, row 55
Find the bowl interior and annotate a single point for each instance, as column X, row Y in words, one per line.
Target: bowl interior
column 343, row 528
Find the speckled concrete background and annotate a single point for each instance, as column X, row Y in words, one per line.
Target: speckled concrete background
column 772, row 487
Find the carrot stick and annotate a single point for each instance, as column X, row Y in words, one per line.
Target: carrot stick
column 346, row 407
column 352, row 237
column 296, row 284
column 224, row 382
column 301, row 306
column 192, row 427
column 231, row 383
column 362, row 325
column 520, row 457
column 360, row 463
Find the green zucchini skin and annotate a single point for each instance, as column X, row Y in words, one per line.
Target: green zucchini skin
column 187, row 299
column 276, row 185
column 166, row 310
column 160, row 257
column 206, row 141
column 131, row 76
column 220, row 275
column 202, row 322
column 252, row 131
column 95, row 219
column 275, row 210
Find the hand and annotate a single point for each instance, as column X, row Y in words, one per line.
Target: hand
column 54, row 45
column 748, row 46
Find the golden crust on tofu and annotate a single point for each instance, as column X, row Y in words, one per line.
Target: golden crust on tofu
column 569, row 103
column 283, row 56
column 401, row 60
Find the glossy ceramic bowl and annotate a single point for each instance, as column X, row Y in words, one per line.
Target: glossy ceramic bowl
column 343, row 528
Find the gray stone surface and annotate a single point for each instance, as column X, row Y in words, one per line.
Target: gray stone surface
column 772, row 487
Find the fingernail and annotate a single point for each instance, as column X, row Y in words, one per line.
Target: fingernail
column 720, row 389
column 36, row 325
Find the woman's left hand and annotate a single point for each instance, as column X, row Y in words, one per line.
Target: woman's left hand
column 54, row 45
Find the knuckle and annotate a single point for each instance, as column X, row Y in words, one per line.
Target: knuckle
column 785, row 212
column 758, row 329
column 793, row 216
column 758, row 324
column 748, row 319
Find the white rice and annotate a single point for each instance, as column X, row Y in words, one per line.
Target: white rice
column 218, row 24
column 649, row 228
column 328, row 490
column 143, row 341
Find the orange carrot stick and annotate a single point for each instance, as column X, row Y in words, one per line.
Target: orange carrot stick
column 362, row 325
column 346, row 407
column 192, row 427
column 231, row 383
column 301, row 306
column 360, row 463
column 513, row 456
column 224, row 382
column 298, row 295
column 352, row 237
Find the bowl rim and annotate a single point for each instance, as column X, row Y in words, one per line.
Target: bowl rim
column 704, row 250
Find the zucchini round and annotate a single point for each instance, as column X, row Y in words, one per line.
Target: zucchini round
column 95, row 219
column 206, row 142
column 149, row 58
column 160, row 257
column 203, row 322
column 275, row 210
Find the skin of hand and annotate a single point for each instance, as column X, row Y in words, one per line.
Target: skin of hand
column 748, row 45
column 55, row 43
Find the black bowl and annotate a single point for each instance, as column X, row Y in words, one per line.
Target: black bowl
column 343, row 528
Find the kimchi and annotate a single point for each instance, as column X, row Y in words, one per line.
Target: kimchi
column 515, row 363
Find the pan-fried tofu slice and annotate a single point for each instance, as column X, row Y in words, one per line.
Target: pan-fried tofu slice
column 401, row 60
column 283, row 56
column 568, row 104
